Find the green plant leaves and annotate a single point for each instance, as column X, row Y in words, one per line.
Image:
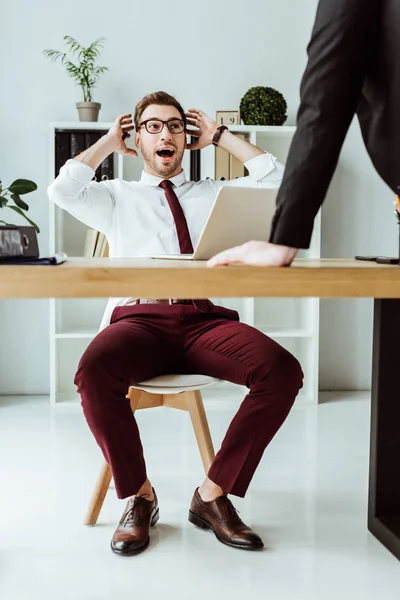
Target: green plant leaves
column 19, row 202
column 85, row 73
column 74, row 46
column 18, row 187
column 54, row 55
column 263, row 106
column 20, row 212
column 22, row 186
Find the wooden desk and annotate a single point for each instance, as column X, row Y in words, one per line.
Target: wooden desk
column 81, row 278
column 102, row 277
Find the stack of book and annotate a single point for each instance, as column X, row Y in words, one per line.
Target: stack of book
column 96, row 244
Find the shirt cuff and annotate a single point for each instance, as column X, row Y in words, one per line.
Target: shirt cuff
column 77, row 170
column 260, row 166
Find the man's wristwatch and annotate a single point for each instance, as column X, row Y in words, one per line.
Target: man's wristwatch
column 218, row 133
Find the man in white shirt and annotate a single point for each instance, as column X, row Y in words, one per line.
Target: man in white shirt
column 144, row 338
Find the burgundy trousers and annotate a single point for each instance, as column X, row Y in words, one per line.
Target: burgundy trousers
column 147, row 340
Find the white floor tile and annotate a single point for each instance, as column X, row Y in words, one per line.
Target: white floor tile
column 308, row 500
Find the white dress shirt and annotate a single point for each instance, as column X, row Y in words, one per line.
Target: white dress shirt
column 135, row 215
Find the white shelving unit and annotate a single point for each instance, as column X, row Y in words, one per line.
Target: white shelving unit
column 292, row 322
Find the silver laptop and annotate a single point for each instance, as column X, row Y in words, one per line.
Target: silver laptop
column 238, row 215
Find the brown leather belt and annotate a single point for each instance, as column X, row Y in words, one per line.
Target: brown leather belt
column 162, row 301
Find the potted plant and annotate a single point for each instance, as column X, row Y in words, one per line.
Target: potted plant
column 263, row 106
column 14, row 192
column 15, row 240
column 85, row 73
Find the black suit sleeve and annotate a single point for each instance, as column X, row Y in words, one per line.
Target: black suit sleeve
column 343, row 41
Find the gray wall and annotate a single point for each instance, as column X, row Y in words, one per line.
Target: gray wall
column 208, row 57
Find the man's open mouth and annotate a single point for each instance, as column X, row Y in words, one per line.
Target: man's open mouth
column 165, row 153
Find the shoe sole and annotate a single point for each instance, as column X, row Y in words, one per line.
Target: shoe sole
column 142, row 548
column 203, row 524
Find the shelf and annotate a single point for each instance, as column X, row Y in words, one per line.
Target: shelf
column 292, row 322
column 287, row 129
column 286, row 333
column 80, row 125
column 76, row 335
column 260, row 129
column 68, row 398
column 230, row 396
column 277, row 333
column 79, row 318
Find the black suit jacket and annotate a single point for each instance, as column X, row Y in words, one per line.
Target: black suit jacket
column 353, row 66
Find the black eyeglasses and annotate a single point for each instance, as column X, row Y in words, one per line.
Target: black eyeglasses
column 156, row 125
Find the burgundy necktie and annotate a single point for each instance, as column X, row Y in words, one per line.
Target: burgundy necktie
column 185, row 243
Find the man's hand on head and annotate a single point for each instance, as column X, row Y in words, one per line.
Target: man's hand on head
column 261, row 254
column 119, row 132
column 205, row 129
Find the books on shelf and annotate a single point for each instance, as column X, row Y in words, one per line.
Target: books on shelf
column 96, row 244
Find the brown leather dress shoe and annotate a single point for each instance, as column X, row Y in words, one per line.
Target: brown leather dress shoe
column 132, row 533
column 222, row 518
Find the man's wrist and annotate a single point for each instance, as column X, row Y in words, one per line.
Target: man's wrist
column 214, row 131
column 219, row 132
column 110, row 142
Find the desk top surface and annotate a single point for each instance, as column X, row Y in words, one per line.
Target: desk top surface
column 150, row 278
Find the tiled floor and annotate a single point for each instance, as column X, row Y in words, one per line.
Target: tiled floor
column 307, row 501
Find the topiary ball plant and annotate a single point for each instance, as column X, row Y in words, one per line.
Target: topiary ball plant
column 263, row 106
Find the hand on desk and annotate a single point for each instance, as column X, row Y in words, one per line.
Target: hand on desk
column 261, row 254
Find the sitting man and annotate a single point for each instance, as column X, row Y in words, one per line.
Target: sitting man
column 164, row 213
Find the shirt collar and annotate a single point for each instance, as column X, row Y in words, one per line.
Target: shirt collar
column 154, row 181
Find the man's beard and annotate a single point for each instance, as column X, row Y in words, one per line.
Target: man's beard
column 164, row 170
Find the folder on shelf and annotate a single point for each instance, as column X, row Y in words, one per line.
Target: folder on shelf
column 103, row 247
column 78, row 143
column 227, row 166
column 107, row 168
column 99, row 245
column 96, row 244
column 90, row 242
column 236, row 168
column 71, row 142
column 221, row 164
column 62, row 148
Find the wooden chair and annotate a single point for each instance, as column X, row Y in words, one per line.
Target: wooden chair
column 174, row 391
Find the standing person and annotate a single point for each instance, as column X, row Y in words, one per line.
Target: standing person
column 353, row 67
column 144, row 337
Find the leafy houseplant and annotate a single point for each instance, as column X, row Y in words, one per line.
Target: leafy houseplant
column 14, row 192
column 84, row 72
column 263, row 106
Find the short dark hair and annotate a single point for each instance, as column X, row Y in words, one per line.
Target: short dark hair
column 160, row 98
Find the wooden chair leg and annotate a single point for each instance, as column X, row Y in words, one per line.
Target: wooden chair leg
column 105, row 475
column 201, row 429
column 134, row 397
column 100, row 491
